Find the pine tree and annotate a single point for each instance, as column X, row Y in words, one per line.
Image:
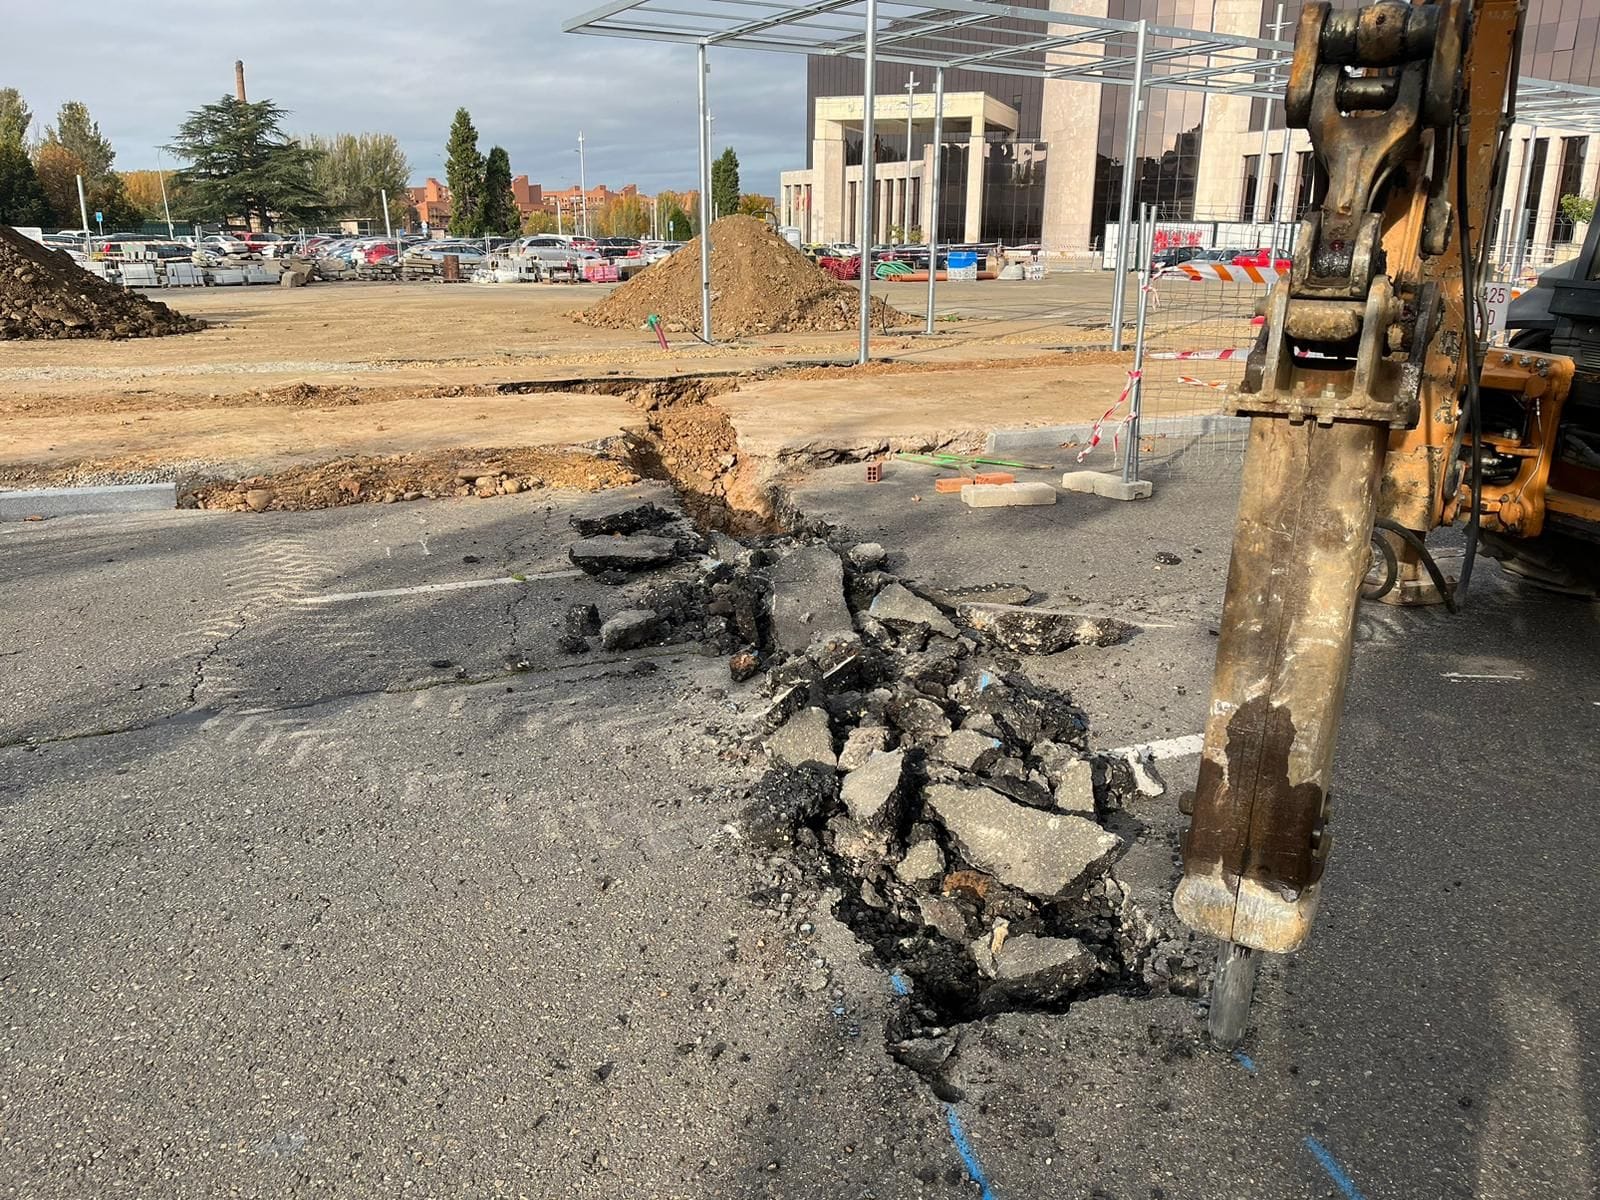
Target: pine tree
column 464, row 169
column 725, row 184
column 14, row 117
column 77, row 132
column 242, row 166
column 497, row 213
column 22, row 200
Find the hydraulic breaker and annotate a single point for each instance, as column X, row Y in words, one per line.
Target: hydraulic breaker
column 1362, row 350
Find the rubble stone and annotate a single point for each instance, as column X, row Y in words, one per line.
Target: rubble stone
column 859, row 744
column 1037, row 852
column 743, row 666
column 898, row 607
column 1040, row 630
column 630, row 628
column 944, row 917
column 918, row 715
column 867, row 556
column 979, row 593
column 621, row 516
column 872, row 793
column 804, row 739
column 924, row 861
column 967, row 749
column 1075, row 787
column 1039, row 970
column 596, row 555
column 808, row 599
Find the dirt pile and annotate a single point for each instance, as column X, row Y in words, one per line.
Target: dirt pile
column 759, row 284
column 44, row 294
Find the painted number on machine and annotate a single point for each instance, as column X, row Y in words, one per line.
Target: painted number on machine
column 1497, row 299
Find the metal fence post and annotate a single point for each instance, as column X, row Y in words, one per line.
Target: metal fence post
column 1130, row 156
column 869, row 100
column 1147, row 231
column 933, row 207
column 705, row 202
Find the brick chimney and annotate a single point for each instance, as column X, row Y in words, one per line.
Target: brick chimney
column 238, row 80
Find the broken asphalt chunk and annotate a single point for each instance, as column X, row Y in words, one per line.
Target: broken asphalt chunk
column 873, row 793
column 807, row 600
column 630, row 628
column 1040, row 630
column 1037, row 852
column 805, row 739
column 621, row 516
column 597, row 555
column 898, row 607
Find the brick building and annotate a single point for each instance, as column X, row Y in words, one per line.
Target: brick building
column 432, row 201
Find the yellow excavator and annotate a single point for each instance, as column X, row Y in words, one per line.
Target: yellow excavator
column 1377, row 415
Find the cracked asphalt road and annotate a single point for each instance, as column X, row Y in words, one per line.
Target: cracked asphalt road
column 313, row 896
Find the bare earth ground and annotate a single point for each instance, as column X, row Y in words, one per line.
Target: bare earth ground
column 289, row 379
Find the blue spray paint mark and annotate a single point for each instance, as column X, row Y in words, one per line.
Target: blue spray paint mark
column 984, row 680
column 974, row 1168
column 900, row 984
column 1245, row 1061
column 1335, row 1172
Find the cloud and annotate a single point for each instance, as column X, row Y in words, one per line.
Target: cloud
column 403, row 68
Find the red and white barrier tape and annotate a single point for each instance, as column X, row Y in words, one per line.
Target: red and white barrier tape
column 1232, row 272
column 1116, row 438
column 1209, row 355
column 1219, row 385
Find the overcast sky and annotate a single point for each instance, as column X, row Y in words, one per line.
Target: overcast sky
column 403, row 67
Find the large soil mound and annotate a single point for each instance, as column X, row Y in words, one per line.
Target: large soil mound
column 44, row 294
column 759, row 284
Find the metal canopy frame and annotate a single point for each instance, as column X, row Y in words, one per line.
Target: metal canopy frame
column 1006, row 39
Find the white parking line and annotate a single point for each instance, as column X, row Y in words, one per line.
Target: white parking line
column 1458, row 677
column 423, row 589
column 1173, row 747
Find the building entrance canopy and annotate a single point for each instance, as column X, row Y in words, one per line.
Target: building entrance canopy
column 1006, row 39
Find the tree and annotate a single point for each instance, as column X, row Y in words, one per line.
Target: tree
column 753, row 204
column 497, row 209
column 626, row 216
column 22, row 200
column 353, row 170
column 242, row 166
column 14, row 118
column 143, row 189
column 464, row 167
column 109, row 197
column 78, row 133
column 725, row 184
column 1577, row 209
column 673, row 215
column 58, row 169
column 539, row 221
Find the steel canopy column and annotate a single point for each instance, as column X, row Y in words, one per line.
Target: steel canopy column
column 868, row 189
column 705, row 201
column 931, row 217
column 1514, row 244
column 1130, row 155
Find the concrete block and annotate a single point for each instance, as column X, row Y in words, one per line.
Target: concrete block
column 75, row 501
column 1106, row 485
column 1007, row 495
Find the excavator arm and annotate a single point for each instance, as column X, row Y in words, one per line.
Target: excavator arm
column 1354, row 391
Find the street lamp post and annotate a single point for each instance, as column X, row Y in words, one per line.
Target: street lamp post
column 911, row 89
column 583, row 184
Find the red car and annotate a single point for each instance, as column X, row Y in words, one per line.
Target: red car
column 1261, row 258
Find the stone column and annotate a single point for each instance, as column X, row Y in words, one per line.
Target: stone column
column 975, row 162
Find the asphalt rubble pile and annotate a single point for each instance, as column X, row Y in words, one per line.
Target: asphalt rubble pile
column 44, row 294
column 951, row 809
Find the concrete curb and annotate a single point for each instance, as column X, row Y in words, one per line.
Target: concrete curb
column 78, row 501
column 1010, row 441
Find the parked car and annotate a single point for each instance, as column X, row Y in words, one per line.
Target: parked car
column 619, row 247
column 222, row 243
column 1262, row 258
column 549, row 250
column 654, row 252
column 1173, row 255
column 468, row 253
